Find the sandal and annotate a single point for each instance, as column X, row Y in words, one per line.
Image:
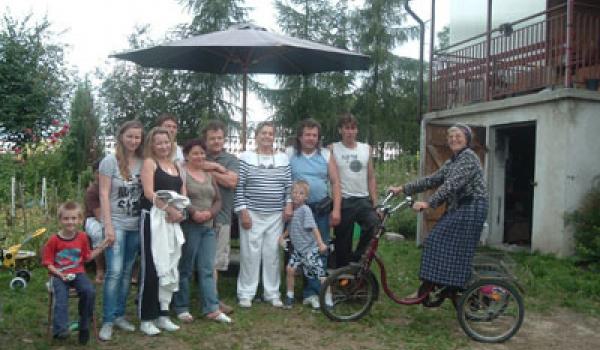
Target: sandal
column 219, row 316
column 185, row 317
column 226, row 309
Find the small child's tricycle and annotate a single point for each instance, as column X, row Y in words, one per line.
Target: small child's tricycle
column 10, row 256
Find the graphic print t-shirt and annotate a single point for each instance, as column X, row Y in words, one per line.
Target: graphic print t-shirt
column 124, row 195
column 67, row 255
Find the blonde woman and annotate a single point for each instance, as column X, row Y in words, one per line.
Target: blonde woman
column 120, row 191
column 159, row 172
column 263, row 203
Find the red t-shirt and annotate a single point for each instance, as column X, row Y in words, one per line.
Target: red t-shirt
column 67, row 255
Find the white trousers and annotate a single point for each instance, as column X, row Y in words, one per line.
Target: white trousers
column 258, row 243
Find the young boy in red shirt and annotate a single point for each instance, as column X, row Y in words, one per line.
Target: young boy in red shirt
column 64, row 256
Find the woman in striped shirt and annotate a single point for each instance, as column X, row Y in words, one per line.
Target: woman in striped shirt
column 263, row 203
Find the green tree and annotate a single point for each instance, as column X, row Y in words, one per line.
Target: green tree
column 81, row 146
column 443, row 38
column 386, row 97
column 33, row 78
column 320, row 96
column 131, row 91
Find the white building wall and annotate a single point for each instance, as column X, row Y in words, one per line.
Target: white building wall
column 569, row 166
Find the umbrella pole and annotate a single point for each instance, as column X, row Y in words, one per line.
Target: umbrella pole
column 244, row 88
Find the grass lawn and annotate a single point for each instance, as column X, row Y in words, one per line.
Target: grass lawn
column 549, row 283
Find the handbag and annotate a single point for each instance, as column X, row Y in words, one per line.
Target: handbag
column 324, row 206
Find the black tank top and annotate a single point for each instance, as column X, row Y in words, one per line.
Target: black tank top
column 163, row 181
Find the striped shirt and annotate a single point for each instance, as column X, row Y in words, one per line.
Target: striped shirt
column 264, row 182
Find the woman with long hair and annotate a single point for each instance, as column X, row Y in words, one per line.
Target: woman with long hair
column 159, row 172
column 120, row 191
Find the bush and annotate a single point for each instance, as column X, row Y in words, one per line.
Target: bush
column 393, row 173
column 586, row 222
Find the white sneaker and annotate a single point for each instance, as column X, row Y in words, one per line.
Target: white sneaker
column 125, row 325
column 313, row 301
column 245, row 303
column 276, row 302
column 328, row 300
column 106, row 332
column 164, row 322
column 148, row 328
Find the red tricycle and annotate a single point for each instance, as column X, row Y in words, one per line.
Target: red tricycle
column 489, row 309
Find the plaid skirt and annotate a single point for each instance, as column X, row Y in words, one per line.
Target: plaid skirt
column 448, row 250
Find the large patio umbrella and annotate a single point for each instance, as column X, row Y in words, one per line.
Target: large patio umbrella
column 244, row 49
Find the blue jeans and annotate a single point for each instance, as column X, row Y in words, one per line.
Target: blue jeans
column 87, row 296
column 312, row 286
column 198, row 251
column 117, row 279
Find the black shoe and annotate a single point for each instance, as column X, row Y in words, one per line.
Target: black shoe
column 84, row 336
column 61, row 335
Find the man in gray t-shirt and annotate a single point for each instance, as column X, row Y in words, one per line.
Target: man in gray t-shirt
column 224, row 167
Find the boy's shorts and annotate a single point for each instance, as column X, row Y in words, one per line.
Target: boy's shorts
column 311, row 262
column 94, row 230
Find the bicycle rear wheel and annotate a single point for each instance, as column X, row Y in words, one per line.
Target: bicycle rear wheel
column 491, row 311
column 352, row 294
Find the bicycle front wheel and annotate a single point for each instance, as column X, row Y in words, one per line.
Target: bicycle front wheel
column 348, row 294
column 491, row 311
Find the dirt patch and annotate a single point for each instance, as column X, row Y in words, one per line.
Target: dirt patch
column 561, row 329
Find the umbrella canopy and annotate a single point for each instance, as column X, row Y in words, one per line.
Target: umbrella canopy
column 244, row 49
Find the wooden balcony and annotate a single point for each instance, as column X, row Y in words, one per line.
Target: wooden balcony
column 522, row 57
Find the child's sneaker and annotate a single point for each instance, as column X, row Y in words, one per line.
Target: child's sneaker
column 313, row 301
column 288, row 303
column 328, row 300
column 106, row 332
column 62, row 335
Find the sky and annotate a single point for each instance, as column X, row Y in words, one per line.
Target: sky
column 93, row 29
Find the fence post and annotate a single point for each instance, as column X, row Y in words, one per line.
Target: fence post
column 44, row 196
column 13, row 190
column 22, row 193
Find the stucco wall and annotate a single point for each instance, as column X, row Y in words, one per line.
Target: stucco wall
column 567, row 159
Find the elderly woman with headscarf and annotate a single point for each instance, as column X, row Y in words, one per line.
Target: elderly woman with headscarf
column 448, row 250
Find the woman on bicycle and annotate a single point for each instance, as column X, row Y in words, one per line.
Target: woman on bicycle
column 448, row 250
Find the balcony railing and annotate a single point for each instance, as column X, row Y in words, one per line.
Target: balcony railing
column 524, row 56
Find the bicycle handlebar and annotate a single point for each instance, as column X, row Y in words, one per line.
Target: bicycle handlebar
column 388, row 209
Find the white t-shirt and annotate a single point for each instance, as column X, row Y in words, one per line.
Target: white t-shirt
column 353, row 165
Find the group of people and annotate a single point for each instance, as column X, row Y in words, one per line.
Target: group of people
column 173, row 207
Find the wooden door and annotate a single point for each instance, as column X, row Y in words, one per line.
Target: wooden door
column 436, row 153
